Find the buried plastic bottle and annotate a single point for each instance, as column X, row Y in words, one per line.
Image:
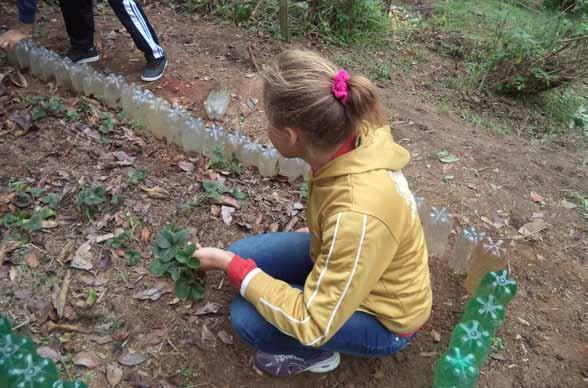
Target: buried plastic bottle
column 23, row 54
column 498, row 284
column 63, row 74
column 217, row 137
column 250, row 154
column 69, row 384
column 216, row 104
column 47, row 66
column 5, row 327
column 466, row 242
column 456, row 369
column 486, row 310
column 268, row 162
column 422, row 210
column 33, row 372
column 13, row 350
column 470, row 337
column 153, row 115
column 113, row 87
column 77, row 74
column 292, row 168
column 176, row 123
column 439, row 225
column 192, row 135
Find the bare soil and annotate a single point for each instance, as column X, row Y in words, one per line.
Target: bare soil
column 545, row 338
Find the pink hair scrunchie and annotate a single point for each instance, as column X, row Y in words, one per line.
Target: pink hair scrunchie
column 340, row 89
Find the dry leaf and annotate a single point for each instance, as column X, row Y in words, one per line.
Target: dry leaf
column 228, row 200
column 215, row 211
column 536, row 197
column 100, row 340
column 207, row 336
column 533, row 227
column 6, row 247
column 87, row 359
column 123, row 158
column 59, row 303
column 47, row 352
column 436, row 335
column 225, row 337
column 567, row 204
column 114, row 374
column 209, row 308
column 83, row 258
column 104, row 237
column 33, row 257
column 145, row 235
column 186, row 166
column 65, row 252
column 156, row 192
column 428, row 354
column 227, row 214
column 152, row 293
column 154, row 337
column 130, row 358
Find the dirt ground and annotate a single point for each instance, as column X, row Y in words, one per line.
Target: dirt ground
column 545, row 337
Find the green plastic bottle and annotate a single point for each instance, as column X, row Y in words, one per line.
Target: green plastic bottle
column 5, row 327
column 35, row 372
column 487, row 311
column 13, row 350
column 69, row 384
column 498, row 284
column 471, row 338
column 456, row 369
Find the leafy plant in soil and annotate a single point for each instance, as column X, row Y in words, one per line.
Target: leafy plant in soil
column 174, row 258
column 25, row 222
column 213, row 190
column 219, row 161
column 89, row 199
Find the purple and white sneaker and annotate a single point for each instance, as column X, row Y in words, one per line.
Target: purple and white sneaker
column 289, row 364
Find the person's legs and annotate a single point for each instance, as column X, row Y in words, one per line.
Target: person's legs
column 78, row 16
column 131, row 15
column 284, row 256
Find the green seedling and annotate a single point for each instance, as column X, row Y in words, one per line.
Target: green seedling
column 213, row 190
column 25, row 222
column 120, row 240
column 132, row 258
column 174, row 258
column 89, row 199
column 136, row 176
column 219, row 161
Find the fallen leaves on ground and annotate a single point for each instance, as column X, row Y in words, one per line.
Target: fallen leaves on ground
column 87, row 359
column 225, row 337
column 114, row 374
column 535, row 197
column 33, row 257
column 153, row 293
column 227, row 214
column 6, row 247
column 209, row 308
column 47, row 352
column 533, row 227
column 156, row 192
column 186, row 166
column 60, row 294
column 83, row 258
column 131, row 358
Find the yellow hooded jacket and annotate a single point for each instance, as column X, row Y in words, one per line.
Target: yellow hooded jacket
column 367, row 245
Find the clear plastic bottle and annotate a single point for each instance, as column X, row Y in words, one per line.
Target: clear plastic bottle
column 217, row 137
column 37, row 54
column 292, row 168
column 98, row 85
column 176, row 124
column 62, row 74
column 439, row 225
column 23, row 54
column 154, row 116
column 87, row 82
column 47, row 65
column 216, row 104
column 112, row 90
column 11, row 56
column 268, row 162
column 239, row 142
column 77, row 75
column 192, row 137
column 251, row 154
column 422, row 210
column 467, row 241
column 488, row 256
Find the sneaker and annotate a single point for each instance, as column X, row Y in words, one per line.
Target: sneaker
column 154, row 69
column 83, row 56
column 289, row 364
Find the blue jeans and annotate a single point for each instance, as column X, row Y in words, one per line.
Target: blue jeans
column 285, row 256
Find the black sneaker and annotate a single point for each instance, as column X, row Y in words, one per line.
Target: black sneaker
column 83, row 56
column 154, row 69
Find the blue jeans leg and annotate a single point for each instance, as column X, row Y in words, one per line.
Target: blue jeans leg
column 285, row 256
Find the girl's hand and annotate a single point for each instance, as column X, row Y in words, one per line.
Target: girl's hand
column 213, row 258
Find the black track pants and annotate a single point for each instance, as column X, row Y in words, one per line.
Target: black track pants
column 79, row 22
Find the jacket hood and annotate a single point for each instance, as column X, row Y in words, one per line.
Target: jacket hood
column 376, row 151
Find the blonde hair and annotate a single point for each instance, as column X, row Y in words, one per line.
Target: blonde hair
column 297, row 94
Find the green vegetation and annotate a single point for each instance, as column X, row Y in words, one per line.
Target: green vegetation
column 340, row 22
column 174, row 258
column 219, row 161
column 213, row 190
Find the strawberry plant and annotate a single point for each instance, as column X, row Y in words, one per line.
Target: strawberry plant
column 174, row 258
